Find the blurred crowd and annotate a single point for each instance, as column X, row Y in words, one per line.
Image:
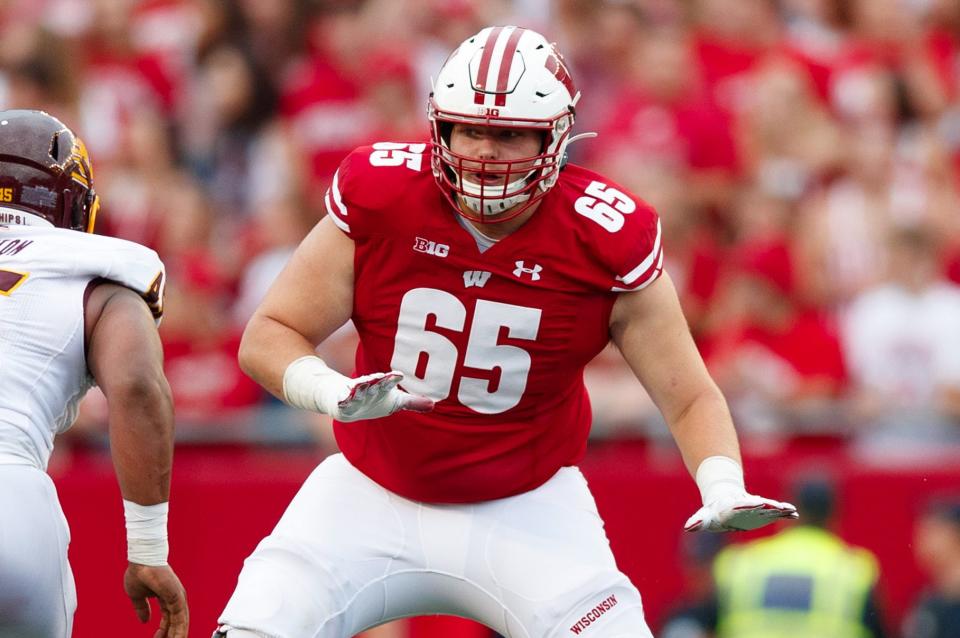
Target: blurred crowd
column 804, row 156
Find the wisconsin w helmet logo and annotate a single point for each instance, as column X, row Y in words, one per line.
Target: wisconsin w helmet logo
column 556, row 65
column 522, row 270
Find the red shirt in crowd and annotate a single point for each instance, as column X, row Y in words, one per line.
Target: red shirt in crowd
column 325, row 109
column 688, row 133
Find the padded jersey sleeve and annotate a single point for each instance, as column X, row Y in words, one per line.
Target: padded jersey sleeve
column 625, row 230
column 334, row 202
column 124, row 262
column 641, row 257
column 368, row 184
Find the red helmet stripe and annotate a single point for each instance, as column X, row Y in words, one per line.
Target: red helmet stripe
column 506, row 62
column 488, row 46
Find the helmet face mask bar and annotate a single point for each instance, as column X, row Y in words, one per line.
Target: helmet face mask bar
column 534, row 92
column 45, row 172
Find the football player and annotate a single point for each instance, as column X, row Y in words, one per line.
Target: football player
column 482, row 273
column 76, row 309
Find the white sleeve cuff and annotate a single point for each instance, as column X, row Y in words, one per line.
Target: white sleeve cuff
column 719, row 476
column 310, row 384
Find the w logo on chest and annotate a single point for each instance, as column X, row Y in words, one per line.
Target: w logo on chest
column 475, row 278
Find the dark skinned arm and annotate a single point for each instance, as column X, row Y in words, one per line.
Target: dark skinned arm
column 125, row 356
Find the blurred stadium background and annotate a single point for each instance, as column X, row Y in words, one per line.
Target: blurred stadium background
column 804, row 156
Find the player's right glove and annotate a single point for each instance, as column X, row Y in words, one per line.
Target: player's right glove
column 727, row 506
column 311, row 384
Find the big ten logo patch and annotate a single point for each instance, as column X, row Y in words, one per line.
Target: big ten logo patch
column 422, row 245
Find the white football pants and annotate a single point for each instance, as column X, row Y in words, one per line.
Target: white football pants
column 37, row 593
column 348, row 555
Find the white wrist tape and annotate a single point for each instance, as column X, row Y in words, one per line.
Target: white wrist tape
column 719, row 476
column 146, row 533
column 310, row 384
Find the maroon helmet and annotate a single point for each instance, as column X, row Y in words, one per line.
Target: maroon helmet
column 45, row 172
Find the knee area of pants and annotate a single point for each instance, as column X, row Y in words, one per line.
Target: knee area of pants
column 279, row 574
column 276, row 596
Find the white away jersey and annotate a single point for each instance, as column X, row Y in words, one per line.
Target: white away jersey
column 44, row 275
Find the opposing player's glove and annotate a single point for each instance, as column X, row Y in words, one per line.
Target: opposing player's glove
column 726, row 504
column 310, row 384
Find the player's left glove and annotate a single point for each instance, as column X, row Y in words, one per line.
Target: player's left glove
column 739, row 513
column 726, row 504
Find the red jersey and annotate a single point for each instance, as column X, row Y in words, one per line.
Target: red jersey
column 498, row 339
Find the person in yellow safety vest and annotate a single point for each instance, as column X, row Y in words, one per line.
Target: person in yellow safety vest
column 804, row 582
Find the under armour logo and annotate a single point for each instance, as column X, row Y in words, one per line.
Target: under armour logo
column 521, row 270
column 475, row 278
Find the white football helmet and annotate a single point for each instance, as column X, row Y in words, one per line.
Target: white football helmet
column 505, row 77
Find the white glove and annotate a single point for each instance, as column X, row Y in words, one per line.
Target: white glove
column 739, row 513
column 310, row 384
column 726, row 504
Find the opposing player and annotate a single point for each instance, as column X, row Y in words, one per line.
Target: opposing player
column 478, row 305
column 75, row 309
